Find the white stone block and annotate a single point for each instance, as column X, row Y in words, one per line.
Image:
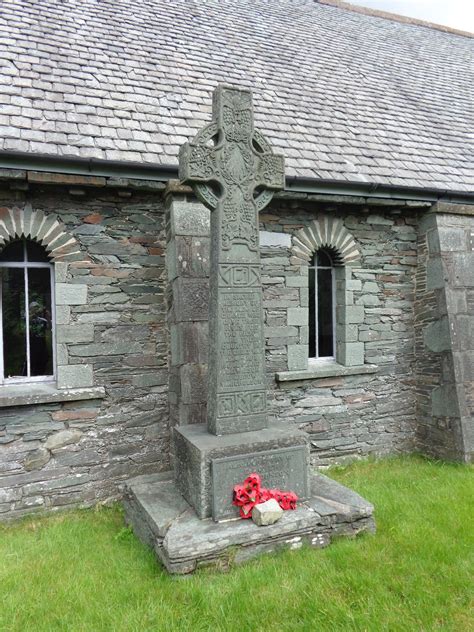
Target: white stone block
column 267, row 513
column 274, row 239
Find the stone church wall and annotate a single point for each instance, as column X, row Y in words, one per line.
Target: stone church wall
column 66, row 453
column 347, row 415
column 60, row 454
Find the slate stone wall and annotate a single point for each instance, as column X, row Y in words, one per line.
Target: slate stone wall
column 444, row 329
column 353, row 415
column 62, row 454
column 345, row 416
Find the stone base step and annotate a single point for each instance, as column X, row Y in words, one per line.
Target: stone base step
column 163, row 520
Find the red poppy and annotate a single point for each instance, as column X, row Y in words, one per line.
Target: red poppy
column 249, row 493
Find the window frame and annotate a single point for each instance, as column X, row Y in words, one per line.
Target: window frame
column 317, row 358
column 25, row 265
column 327, row 232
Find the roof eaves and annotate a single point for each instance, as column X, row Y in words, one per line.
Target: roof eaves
column 163, row 173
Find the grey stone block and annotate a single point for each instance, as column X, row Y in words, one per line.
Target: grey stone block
column 193, row 383
column 354, row 284
column 344, row 297
column 190, row 218
column 68, row 294
column 63, row 314
column 349, row 314
column 175, row 346
column 296, row 280
column 75, row 376
column 452, row 239
column 60, row 271
column 463, row 265
column 444, row 401
column 297, row 357
column 171, row 260
column 370, row 287
column 192, row 413
column 36, row 459
column 280, row 332
column 435, row 274
column 433, row 242
column 347, row 333
column 350, row 353
column 105, row 348
column 62, row 356
column 297, row 316
column 191, row 298
column 190, row 257
column 464, row 332
column 370, row 300
column 192, row 339
column 62, row 439
column 75, row 333
column 436, row 335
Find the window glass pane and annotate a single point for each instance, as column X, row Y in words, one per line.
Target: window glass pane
column 325, row 314
column 36, row 252
column 41, row 344
column 15, row 251
column 14, row 322
column 312, row 313
column 323, row 258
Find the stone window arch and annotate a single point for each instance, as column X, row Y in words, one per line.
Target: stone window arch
column 47, row 233
column 47, row 230
column 329, row 235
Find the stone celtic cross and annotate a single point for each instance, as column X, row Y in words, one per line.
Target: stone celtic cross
column 234, row 172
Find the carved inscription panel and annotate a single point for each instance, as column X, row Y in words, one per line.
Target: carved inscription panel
column 284, row 468
column 240, row 340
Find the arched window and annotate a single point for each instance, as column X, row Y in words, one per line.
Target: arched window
column 322, row 305
column 26, row 313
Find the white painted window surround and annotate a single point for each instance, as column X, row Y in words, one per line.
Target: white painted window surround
column 322, row 322
column 25, row 266
column 70, row 381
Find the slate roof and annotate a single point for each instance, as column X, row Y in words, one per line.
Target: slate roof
column 343, row 95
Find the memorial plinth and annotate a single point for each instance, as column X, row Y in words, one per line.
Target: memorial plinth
column 208, row 467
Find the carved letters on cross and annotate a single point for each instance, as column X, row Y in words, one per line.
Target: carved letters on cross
column 230, row 156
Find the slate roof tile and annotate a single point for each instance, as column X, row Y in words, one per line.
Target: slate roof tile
column 343, row 95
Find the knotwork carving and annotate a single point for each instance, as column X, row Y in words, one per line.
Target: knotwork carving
column 232, row 168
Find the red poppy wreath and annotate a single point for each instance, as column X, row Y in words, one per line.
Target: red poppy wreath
column 250, row 493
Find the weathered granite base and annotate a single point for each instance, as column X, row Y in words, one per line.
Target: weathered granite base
column 207, row 466
column 163, row 520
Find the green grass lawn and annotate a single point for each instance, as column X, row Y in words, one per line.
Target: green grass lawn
column 83, row 571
